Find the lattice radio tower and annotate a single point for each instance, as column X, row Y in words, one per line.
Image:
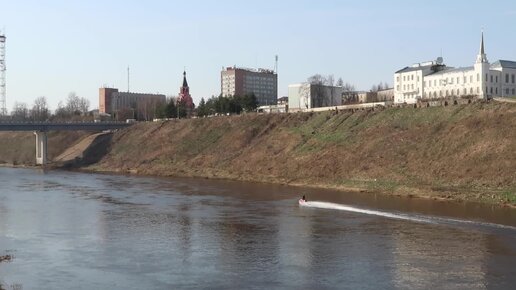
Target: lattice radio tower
column 3, row 109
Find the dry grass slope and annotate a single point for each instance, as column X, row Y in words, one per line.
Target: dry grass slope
column 459, row 152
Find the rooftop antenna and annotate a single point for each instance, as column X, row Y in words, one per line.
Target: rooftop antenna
column 128, row 80
column 276, row 64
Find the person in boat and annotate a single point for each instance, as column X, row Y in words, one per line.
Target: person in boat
column 304, row 199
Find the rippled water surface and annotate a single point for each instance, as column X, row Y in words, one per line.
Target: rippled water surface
column 85, row 231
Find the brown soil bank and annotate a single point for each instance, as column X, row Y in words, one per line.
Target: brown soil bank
column 456, row 152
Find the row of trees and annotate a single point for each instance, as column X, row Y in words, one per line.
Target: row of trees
column 172, row 109
column 379, row 87
column 74, row 108
column 214, row 105
column 227, row 105
column 329, row 80
column 323, row 91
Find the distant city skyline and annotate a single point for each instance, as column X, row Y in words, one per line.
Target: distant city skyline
column 56, row 47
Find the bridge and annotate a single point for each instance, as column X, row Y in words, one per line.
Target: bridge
column 40, row 129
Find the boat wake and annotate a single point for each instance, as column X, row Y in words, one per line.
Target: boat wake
column 402, row 216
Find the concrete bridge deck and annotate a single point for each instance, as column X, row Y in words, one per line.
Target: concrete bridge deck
column 61, row 126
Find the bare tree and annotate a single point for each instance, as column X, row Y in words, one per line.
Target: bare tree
column 330, row 80
column 20, row 112
column 379, row 87
column 340, row 83
column 385, row 86
column 76, row 105
column 317, row 83
column 84, row 105
column 317, row 79
column 40, row 111
column 347, row 87
column 147, row 108
column 349, row 95
column 72, row 104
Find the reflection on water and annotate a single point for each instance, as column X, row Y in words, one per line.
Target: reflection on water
column 80, row 231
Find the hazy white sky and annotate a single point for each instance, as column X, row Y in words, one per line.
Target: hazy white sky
column 55, row 47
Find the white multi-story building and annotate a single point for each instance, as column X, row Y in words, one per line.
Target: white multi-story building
column 432, row 80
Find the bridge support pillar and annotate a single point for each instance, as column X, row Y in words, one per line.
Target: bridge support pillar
column 41, row 147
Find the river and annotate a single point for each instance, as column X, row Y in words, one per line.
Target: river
column 90, row 231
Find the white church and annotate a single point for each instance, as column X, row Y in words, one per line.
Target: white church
column 433, row 80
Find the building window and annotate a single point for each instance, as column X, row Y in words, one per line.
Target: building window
column 397, row 78
column 512, row 79
column 506, row 78
column 465, row 79
column 458, row 80
column 496, row 80
column 403, row 78
column 458, row 92
column 471, row 91
column 412, row 77
column 435, row 83
column 496, row 91
column 491, row 90
column 487, row 78
column 507, row 90
column 513, row 92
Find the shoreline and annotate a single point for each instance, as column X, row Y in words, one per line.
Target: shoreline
column 447, row 194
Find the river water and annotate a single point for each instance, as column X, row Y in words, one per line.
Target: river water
column 88, row 231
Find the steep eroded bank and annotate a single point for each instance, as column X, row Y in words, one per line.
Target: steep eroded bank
column 457, row 152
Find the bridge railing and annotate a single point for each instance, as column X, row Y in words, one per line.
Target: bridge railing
column 61, row 126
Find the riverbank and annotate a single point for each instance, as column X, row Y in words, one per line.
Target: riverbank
column 463, row 153
column 484, row 195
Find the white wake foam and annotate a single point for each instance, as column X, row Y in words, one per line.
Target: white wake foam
column 401, row 216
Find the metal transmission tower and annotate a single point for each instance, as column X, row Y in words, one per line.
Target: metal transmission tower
column 3, row 109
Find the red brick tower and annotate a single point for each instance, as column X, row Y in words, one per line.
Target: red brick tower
column 184, row 96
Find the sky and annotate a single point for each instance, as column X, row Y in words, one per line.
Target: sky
column 57, row 47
